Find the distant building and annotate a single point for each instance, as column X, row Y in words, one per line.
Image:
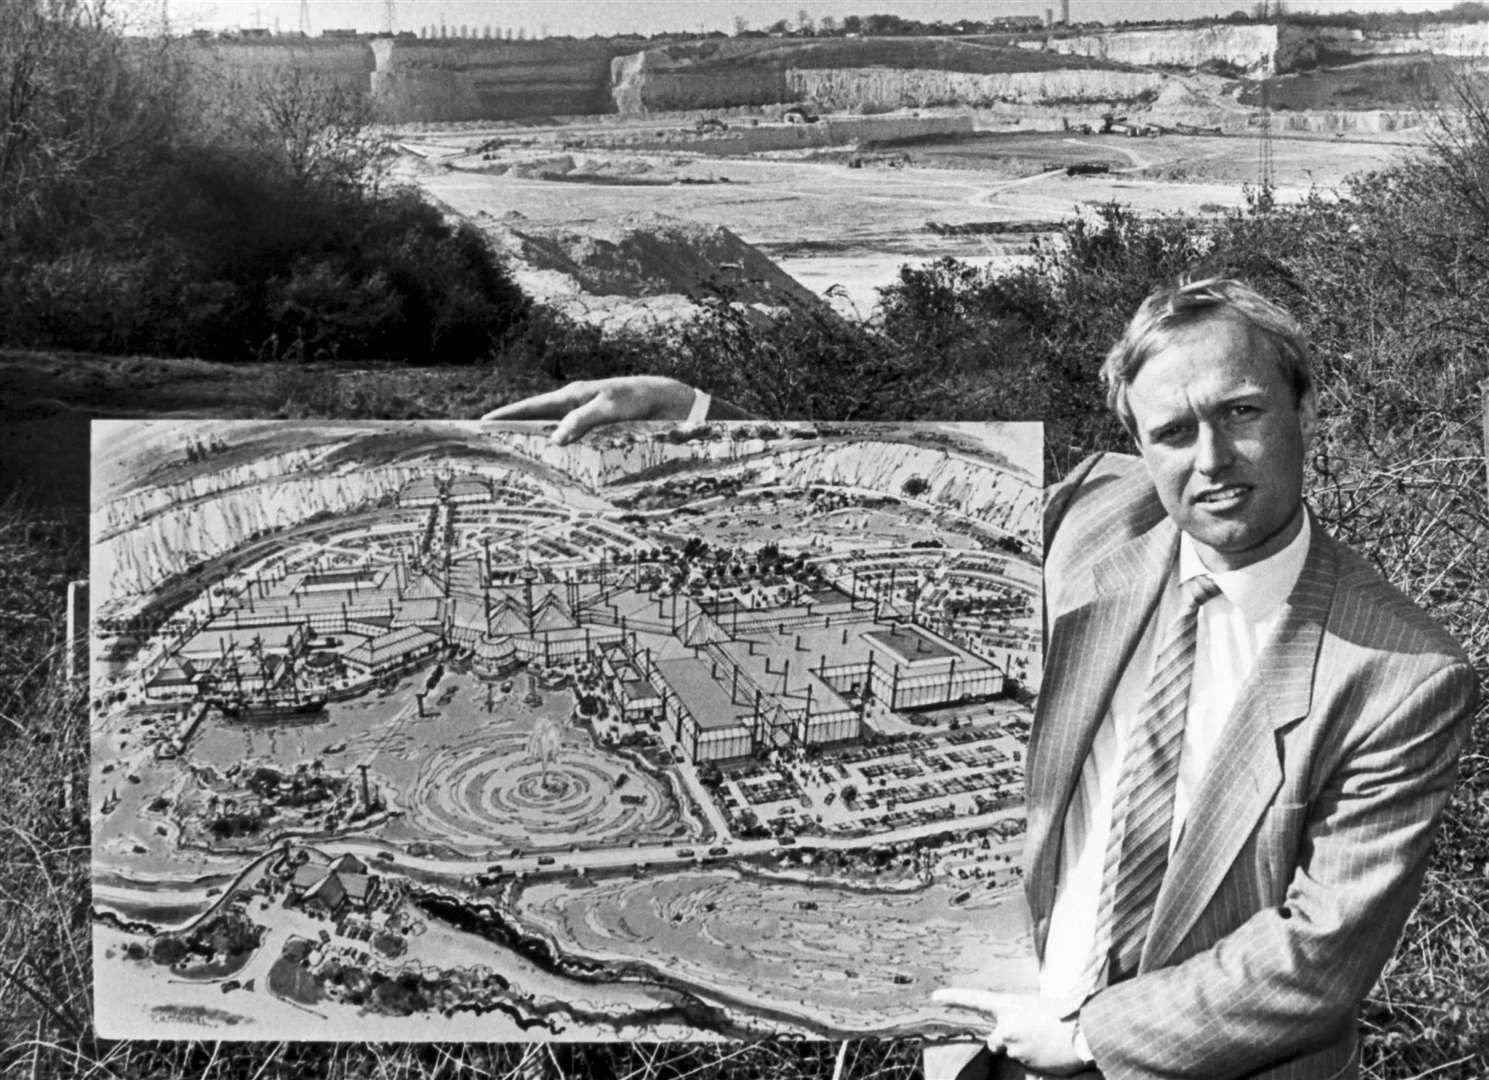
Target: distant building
column 347, row 580
column 914, row 668
column 393, row 652
column 332, row 886
column 177, row 680
column 469, row 489
column 494, row 656
column 421, row 491
column 224, row 638
column 638, row 699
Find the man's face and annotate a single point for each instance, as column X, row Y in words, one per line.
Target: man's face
column 1224, row 440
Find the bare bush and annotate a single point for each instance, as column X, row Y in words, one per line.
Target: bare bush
column 1460, row 138
column 313, row 129
column 82, row 113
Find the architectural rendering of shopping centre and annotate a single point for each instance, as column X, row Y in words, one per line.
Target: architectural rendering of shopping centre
column 466, row 654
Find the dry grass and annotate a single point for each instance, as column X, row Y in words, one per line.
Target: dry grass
column 44, row 961
column 361, row 1061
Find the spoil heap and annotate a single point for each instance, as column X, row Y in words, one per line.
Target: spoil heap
column 644, row 268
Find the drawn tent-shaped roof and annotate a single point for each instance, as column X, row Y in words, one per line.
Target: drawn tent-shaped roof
column 307, row 875
column 179, row 671
column 349, row 864
column 310, row 872
column 700, row 629
column 551, row 613
column 356, row 887
column 508, row 617
column 509, row 614
column 330, row 892
column 469, row 616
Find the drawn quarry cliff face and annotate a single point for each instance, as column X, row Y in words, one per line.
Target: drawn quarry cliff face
column 441, row 731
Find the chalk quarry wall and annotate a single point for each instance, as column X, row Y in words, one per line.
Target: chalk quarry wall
column 348, row 63
column 1263, row 49
column 491, row 80
column 148, row 536
column 973, row 488
column 190, row 522
column 456, row 79
column 885, row 88
column 969, row 487
column 1467, row 40
column 1250, row 48
column 654, row 80
column 657, row 81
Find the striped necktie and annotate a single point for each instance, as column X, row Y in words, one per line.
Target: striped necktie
column 1143, row 809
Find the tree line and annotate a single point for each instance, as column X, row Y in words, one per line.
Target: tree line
column 149, row 205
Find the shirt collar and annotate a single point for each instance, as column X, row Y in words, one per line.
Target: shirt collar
column 1259, row 589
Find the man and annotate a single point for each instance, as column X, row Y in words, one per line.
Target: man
column 1244, row 739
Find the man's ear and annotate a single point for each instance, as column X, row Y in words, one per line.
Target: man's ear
column 1308, row 415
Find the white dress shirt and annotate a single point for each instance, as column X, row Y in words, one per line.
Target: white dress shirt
column 1232, row 630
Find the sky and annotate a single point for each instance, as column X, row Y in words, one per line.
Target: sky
column 582, row 18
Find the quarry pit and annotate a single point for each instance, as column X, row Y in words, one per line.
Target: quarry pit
column 624, row 178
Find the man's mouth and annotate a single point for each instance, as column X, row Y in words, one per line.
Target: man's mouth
column 1222, row 498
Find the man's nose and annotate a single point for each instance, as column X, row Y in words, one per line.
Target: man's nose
column 1213, row 450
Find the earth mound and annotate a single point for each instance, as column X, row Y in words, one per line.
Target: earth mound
column 1201, row 101
column 644, row 267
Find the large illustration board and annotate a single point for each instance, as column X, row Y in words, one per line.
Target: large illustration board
column 441, row 731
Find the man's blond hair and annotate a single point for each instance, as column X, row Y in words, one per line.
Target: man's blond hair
column 1175, row 307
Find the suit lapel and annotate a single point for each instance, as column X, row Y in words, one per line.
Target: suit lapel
column 1090, row 645
column 1246, row 770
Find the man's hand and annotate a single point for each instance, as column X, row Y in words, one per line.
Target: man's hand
column 1029, row 1028
column 580, row 406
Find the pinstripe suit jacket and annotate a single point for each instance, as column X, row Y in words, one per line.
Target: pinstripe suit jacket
column 1304, row 850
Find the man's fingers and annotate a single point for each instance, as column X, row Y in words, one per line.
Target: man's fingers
column 601, row 409
column 580, row 406
column 553, row 405
column 985, row 1001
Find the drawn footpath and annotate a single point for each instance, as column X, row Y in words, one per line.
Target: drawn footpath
column 437, row 730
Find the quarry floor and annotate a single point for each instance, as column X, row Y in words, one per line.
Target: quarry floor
column 844, row 229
